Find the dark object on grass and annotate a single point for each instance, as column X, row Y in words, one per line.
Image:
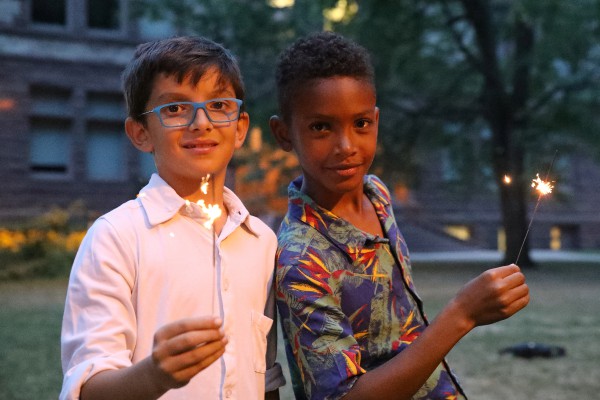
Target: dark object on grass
column 533, row 349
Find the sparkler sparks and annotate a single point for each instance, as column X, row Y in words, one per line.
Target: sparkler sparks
column 211, row 211
column 543, row 187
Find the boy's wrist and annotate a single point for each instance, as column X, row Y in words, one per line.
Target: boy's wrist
column 456, row 318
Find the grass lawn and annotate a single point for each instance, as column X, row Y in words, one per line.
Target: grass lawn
column 564, row 310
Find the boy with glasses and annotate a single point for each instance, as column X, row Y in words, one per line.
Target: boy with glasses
column 353, row 323
column 163, row 299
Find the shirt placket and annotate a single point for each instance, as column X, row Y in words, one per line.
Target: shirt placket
column 226, row 312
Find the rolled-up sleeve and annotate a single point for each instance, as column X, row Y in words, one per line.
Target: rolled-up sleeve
column 99, row 324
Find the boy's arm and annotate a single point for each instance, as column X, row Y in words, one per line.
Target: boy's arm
column 181, row 350
column 493, row 296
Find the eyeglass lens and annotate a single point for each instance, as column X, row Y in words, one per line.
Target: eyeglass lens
column 181, row 114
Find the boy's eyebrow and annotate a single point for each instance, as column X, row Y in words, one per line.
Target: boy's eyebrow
column 359, row 114
column 177, row 96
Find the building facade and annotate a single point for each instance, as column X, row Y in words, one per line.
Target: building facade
column 61, row 108
column 62, row 136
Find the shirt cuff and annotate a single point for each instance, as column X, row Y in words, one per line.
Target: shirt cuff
column 274, row 378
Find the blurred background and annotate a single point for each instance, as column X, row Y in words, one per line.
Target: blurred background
column 476, row 98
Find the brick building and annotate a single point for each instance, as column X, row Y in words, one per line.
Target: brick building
column 61, row 129
column 61, row 108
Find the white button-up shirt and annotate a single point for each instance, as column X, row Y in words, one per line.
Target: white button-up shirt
column 151, row 262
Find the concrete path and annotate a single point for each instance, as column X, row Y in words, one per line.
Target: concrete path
column 495, row 256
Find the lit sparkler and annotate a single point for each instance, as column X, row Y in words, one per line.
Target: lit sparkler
column 543, row 187
column 212, row 212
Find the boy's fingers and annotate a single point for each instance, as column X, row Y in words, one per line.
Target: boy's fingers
column 199, row 357
column 190, row 340
column 513, row 280
column 187, row 325
column 184, row 375
column 507, row 270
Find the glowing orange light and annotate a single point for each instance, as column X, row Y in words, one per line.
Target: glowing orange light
column 542, row 187
column 507, row 179
column 6, row 104
column 212, row 211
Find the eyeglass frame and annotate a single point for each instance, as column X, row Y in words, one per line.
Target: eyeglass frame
column 196, row 105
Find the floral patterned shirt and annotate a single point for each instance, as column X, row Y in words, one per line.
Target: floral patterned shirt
column 346, row 298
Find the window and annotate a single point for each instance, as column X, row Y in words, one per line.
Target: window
column 103, row 14
column 460, row 232
column 51, row 131
column 50, row 148
column 49, row 11
column 105, row 106
column 105, row 152
column 106, row 157
column 95, row 17
column 50, row 100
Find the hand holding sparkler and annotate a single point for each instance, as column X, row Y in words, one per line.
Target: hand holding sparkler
column 496, row 294
column 184, row 348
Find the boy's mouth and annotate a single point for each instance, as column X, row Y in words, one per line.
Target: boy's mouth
column 345, row 170
column 199, row 145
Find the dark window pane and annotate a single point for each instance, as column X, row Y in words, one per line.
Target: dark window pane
column 50, row 145
column 103, row 14
column 48, row 11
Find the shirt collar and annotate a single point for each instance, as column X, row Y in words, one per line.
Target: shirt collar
column 161, row 203
column 341, row 232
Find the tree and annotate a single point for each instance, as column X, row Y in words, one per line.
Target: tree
column 512, row 76
column 505, row 83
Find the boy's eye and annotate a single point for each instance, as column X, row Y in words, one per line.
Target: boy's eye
column 320, row 126
column 216, row 105
column 363, row 123
column 174, row 109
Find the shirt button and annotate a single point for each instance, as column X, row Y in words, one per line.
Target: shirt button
column 226, row 284
column 228, row 393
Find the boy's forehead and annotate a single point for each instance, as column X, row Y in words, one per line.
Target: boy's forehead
column 329, row 93
column 210, row 83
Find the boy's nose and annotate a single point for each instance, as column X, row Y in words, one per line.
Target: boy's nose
column 200, row 120
column 345, row 144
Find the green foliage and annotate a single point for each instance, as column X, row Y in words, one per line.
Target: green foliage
column 498, row 86
column 42, row 247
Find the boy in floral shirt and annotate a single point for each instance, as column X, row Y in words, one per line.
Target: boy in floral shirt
column 350, row 313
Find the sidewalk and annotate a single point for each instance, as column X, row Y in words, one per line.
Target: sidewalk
column 496, row 256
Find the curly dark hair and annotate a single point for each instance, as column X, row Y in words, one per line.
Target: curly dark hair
column 180, row 57
column 319, row 55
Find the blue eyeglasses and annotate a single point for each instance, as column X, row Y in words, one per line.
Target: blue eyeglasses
column 183, row 113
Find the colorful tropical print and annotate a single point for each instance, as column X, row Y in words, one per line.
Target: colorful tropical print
column 346, row 298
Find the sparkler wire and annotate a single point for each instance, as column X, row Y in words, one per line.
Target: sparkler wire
column 214, row 244
column 535, row 210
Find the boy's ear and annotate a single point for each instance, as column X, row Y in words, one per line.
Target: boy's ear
column 138, row 135
column 243, row 124
column 280, row 131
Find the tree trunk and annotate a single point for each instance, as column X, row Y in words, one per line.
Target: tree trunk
column 502, row 110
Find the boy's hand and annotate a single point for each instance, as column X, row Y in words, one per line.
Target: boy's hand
column 184, row 348
column 494, row 295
